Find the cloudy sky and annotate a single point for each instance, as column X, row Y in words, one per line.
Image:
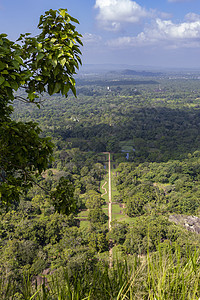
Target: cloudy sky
column 160, row 33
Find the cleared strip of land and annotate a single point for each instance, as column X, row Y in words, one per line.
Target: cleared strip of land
column 109, row 194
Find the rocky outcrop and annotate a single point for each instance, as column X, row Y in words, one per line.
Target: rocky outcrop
column 191, row 223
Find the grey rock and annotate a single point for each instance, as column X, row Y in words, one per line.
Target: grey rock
column 191, row 223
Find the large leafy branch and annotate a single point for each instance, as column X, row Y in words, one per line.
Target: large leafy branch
column 42, row 64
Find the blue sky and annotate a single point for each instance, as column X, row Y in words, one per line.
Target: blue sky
column 158, row 33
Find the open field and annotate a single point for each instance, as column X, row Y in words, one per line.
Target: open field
column 126, row 146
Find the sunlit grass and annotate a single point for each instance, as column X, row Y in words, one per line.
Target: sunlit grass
column 127, row 146
column 83, row 214
column 84, row 224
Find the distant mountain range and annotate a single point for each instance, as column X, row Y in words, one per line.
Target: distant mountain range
column 90, row 68
column 132, row 70
column 138, row 73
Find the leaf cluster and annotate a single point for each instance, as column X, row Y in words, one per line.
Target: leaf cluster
column 45, row 63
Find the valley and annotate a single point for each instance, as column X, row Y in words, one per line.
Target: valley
column 128, row 157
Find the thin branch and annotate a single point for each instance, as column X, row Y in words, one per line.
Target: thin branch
column 20, row 98
column 24, row 100
column 33, row 180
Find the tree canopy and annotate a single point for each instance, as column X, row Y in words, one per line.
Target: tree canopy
column 36, row 65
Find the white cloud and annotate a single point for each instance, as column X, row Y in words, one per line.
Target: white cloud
column 89, row 38
column 114, row 12
column 168, row 30
column 192, row 17
column 164, row 33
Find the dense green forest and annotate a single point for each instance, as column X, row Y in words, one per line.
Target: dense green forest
column 151, row 127
column 159, row 119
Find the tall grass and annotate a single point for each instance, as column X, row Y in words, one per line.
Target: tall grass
column 172, row 277
column 165, row 274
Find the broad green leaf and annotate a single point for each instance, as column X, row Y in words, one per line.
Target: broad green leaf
column 16, row 64
column 62, row 12
column 57, row 87
column 18, row 58
column 57, row 70
column 2, row 79
column 54, row 62
column 79, row 40
column 39, row 46
column 71, row 43
column 10, row 94
column 66, row 89
column 6, row 83
column 72, row 81
column 79, row 60
column 14, row 85
column 31, row 96
column 53, row 40
column 63, row 61
column 2, row 65
column 38, row 78
column 50, row 88
column 74, row 20
column 64, row 36
column 40, row 56
column 60, row 53
column 73, row 90
column 5, row 72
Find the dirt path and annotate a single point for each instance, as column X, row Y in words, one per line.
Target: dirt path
column 103, row 188
column 109, row 207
